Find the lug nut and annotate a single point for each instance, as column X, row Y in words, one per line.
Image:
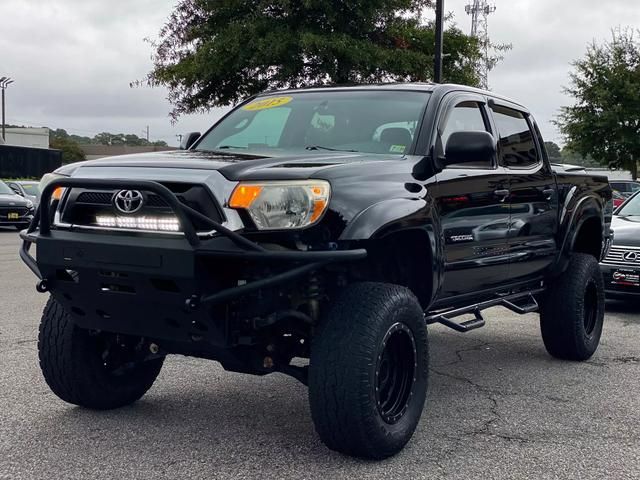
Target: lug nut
column 153, row 348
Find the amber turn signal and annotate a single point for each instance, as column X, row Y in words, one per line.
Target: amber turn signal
column 244, row 195
column 57, row 193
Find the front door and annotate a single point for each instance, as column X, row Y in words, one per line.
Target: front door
column 472, row 200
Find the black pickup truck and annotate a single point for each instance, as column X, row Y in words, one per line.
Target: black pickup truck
column 317, row 233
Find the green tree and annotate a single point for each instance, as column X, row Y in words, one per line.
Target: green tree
column 553, row 150
column 604, row 123
column 58, row 133
column 71, row 151
column 576, row 158
column 212, row 53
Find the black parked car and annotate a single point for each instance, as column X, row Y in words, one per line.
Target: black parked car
column 329, row 224
column 15, row 210
column 621, row 267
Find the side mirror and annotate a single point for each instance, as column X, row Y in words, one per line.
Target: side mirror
column 188, row 140
column 470, row 147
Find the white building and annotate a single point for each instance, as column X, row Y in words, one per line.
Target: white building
column 27, row 137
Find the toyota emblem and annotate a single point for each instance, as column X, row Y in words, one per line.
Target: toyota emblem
column 631, row 256
column 128, row 201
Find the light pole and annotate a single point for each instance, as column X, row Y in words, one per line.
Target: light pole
column 437, row 68
column 4, row 83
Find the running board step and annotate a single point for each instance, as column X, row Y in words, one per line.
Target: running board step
column 463, row 327
column 521, row 303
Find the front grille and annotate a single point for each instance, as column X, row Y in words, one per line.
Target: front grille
column 83, row 206
column 621, row 255
column 95, row 198
column 5, row 211
column 106, row 198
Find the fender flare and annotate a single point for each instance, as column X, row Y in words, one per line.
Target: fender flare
column 572, row 219
column 401, row 215
column 373, row 221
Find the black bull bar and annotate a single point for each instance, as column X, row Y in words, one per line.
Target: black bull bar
column 163, row 251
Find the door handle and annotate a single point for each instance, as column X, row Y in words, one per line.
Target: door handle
column 548, row 193
column 502, row 194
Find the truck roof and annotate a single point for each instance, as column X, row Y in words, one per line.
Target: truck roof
column 436, row 88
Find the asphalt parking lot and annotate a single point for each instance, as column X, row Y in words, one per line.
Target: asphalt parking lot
column 498, row 407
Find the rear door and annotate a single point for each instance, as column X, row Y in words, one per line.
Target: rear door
column 533, row 197
column 473, row 208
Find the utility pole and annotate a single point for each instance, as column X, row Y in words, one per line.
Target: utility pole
column 437, row 67
column 4, row 83
column 480, row 11
column 147, row 133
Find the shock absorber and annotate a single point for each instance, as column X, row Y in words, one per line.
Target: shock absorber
column 314, row 295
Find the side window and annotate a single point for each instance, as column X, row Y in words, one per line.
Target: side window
column 264, row 129
column 466, row 116
column 517, row 144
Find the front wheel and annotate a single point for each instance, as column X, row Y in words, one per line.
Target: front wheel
column 94, row 370
column 572, row 313
column 369, row 370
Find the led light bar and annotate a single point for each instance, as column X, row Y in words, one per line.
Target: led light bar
column 158, row 224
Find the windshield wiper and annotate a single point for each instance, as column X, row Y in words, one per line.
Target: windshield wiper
column 227, row 147
column 320, row 147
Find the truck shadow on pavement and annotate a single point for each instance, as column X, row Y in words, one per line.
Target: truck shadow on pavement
column 198, row 410
column 624, row 306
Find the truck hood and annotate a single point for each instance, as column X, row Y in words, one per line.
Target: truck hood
column 235, row 166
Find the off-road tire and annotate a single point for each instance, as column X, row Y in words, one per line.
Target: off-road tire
column 346, row 367
column 73, row 367
column 572, row 310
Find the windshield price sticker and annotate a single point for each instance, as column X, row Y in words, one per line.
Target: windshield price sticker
column 265, row 103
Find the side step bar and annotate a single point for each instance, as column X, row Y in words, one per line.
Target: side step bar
column 510, row 301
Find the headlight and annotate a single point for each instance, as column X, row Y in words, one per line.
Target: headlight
column 46, row 179
column 282, row 205
column 29, row 204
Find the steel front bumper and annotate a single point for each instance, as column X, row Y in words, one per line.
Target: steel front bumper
column 152, row 285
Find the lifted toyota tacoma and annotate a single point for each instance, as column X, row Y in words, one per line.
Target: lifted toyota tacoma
column 317, row 233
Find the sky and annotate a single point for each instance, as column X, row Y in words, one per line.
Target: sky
column 73, row 60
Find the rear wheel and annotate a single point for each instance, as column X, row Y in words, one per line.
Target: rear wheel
column 369, row 370
column 572, row 313
column 93, row 370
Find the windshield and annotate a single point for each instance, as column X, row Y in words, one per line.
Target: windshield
column 31, row 189
column 632, row 207
column 5, row 190
column 374, row 121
